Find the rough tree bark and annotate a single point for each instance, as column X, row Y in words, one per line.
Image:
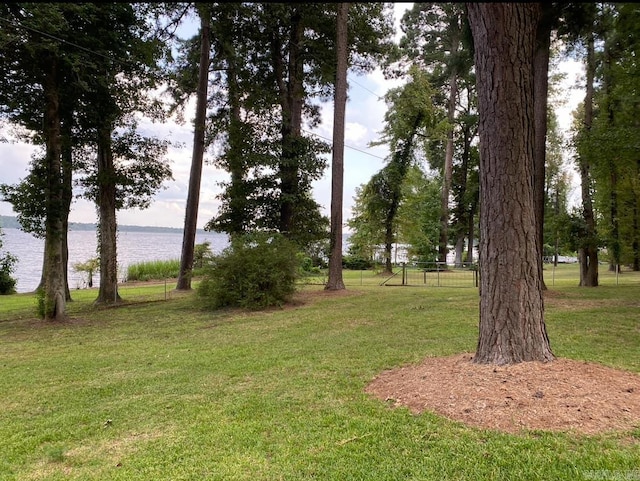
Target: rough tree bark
column 107, row 223
column 540, row 94
column 335, row 281
column 443, row 241
column 588, row 253
column 512, row 327
column 195, row 176
column 289, row 78
column 54, row 307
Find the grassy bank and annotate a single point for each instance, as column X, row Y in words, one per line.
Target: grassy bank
column 164, row 391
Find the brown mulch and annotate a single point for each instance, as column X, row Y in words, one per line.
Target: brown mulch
column 563, row 395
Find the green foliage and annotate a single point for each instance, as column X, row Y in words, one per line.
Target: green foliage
column 271, row 59
column 419, row 215
column 89, row 266
column 356, row 263
column 158, row 269
column 306, row 264
column 7, row 266
column 255, row 271
column 40, row 303
column 27, row 198
column 202, row 255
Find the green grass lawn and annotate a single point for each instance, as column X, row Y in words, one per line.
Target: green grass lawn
column 164, row 391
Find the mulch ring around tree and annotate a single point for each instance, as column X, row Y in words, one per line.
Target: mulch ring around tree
column 563, row 395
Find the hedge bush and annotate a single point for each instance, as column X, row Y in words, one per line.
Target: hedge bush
column 254, row 272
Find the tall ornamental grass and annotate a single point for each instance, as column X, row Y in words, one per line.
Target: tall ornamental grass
column 151, row 270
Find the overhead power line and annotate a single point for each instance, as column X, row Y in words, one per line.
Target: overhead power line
column 348, row 146
column 17, row 24
column 365, row 88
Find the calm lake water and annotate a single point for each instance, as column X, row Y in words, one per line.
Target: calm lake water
column 133, row 247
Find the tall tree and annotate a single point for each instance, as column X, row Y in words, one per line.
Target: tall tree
column 193, row 196
column 33, row 72
column 611, row 145
column 335, row 281
column 436, row 37
column 284, row 58
column 578, row 31
column 123, row 67
column 541, row 94
column 588, row 251
column 512, row 327
column 411, row 114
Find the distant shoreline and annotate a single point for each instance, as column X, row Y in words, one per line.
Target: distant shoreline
column 11, row 222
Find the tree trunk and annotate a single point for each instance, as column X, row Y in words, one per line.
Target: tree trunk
column 236, row 152
column 636, row 237
column 107, row 223
column 588, row 253
column 388, row 247
column 195, row 177
column 54, row 307
column 471, row 233
column 614, row 263
column 459, row 249
column 335, row 281
column 443, row 241
column 462, row 207
column 614, row 240
column 67, row 175
column 512, row 327
column 541, row 90
column 291, row 92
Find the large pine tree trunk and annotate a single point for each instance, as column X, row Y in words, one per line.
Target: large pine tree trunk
column 512, row 327
column 541, row 90
column 237, row 141
column 443, row 241
column 107, row 224
column 195, row 177
column 53, row 266
column 462, row 207
column 588, row 253
column 335, row 281
column 291, row 101
column 289, row 77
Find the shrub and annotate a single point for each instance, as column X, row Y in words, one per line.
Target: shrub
column 7, row 283
column 7, row 266
column 202, row 257
column 307, row 266
column 89, row 266
column 356, row 263
column 255, row 271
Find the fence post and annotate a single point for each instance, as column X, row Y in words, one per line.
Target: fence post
column 404, row 272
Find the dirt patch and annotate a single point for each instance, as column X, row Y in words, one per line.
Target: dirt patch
column 564, row 395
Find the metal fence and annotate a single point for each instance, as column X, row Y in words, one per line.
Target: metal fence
column 433, row 274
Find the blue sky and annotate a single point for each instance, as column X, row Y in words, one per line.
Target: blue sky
column 364, row 120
